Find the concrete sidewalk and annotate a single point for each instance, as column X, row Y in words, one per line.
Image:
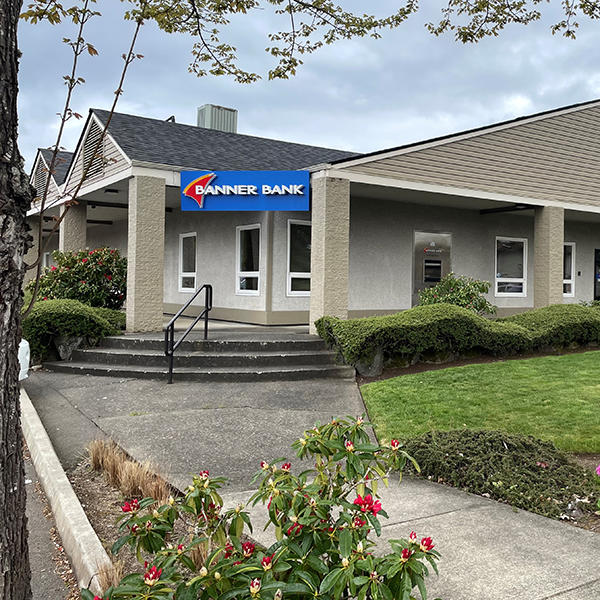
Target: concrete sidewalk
column 489, row 550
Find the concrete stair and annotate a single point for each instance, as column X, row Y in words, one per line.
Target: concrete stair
column 247, row 359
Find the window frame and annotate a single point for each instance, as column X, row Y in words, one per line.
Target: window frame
column 522, row 280
column 181, row 272
column 238, row 272
column 572, row 280
column 290, row 275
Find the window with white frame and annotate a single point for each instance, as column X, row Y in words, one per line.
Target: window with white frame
column 46, row 260
column 511, row 267
column 187, row 262
column 569, row 270
column 248, row 260
column 298, row 266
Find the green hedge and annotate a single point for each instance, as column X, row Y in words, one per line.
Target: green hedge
column 115, row 317
column 445, row 328
column 50, row 319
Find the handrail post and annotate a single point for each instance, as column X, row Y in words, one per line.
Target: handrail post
column 206, row 309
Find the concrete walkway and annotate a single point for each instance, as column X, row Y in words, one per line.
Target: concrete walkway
column 490, row 551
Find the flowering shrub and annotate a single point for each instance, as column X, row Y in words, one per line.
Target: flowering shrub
column 460, row 291
column 95, row 277
column 322, row 519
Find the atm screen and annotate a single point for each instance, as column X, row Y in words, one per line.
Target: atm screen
column 432, row 270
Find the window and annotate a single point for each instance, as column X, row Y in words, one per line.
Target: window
column 187, row 262
column 511, row 267
column 46, row 260
column 248, row 260
column 569, row 270
column 298, row 271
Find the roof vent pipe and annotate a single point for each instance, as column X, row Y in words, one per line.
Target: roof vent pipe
column 211, row 116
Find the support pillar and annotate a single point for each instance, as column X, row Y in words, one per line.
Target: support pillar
column 548, row 256
column 72, row 234
column 32, row 254
column 145, row 254
column 329, row 248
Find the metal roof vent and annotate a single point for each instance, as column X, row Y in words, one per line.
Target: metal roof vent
column 211, row 116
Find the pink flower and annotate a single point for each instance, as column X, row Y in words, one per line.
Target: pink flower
column 598, row 470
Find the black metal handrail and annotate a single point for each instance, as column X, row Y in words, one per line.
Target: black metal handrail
column 170, row 344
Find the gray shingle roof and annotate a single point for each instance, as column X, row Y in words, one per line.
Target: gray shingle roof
column 162, row 142
column 61, row 165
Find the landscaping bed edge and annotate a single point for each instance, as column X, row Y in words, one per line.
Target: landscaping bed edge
column 82, row 545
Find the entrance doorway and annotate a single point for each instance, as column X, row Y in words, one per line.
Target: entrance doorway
column 432, row 260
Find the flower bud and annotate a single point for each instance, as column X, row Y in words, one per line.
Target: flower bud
column 345, row 562
column 217, row 575
column 171, row 501
column 203, row 572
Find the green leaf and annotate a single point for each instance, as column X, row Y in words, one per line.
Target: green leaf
column 330, row 580
column 345, row 543
column 118, row 545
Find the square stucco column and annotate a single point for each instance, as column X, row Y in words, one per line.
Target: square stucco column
column 72, row 234
column 145, row 254
column 548, row 256
column 329, row 249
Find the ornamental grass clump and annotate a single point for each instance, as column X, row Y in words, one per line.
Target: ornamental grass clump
column 322, row 518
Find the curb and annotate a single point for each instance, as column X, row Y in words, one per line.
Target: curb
column 79, row 539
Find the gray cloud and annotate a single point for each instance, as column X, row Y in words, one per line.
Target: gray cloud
column 360, row 95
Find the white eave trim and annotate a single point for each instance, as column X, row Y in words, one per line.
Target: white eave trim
column 461, row 136
column 451, row 191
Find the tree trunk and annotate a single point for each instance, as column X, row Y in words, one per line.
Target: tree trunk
column 15, row 199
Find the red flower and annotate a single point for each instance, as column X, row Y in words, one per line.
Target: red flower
column 204, row 474
column 248, row 549
column 358, row 522
column 267, row 562
column 134, row 529
column 152, row 575
column 426, row 544
column 228, row 550
column 82, row 281
column 45, row 298
column 132, row 506
column 367, row 504
column 264, row 465
column 84, row 260
column 53, row 268
column 406, row 554
column 413, row 537
column 395, row 444
column 286, row 467
column 180, row 549
column 108, row 277
column 349, row 446
column 91, row 252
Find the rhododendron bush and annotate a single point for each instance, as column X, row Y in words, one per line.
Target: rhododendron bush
column 323, row 520
column 95, row 277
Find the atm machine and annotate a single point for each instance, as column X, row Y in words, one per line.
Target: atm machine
column 432, row 260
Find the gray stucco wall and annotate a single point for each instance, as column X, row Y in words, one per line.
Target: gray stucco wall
column 113, row 236
column 381, row 250
column 216, row 256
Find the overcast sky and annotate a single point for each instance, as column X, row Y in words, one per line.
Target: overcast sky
column 359, row 95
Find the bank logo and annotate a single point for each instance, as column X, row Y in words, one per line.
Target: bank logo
column 197, row 188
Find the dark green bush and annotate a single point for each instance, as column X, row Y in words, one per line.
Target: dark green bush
column 560, row 325
column 433, row 328
column 520, row 470
column 95, row 277
column 115, row 317
column 459, row 290
column 50, row 319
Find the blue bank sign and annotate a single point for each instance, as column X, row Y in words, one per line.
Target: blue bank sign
column 245, row 190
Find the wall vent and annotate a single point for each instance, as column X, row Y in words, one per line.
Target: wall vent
column 40, row 177
column 211, row 116
column 94, row 160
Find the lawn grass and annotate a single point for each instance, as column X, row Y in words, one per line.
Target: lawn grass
column 554, row 398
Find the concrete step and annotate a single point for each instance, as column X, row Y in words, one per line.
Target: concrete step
column 151, row 358
column 254, row 344
column 297, row 372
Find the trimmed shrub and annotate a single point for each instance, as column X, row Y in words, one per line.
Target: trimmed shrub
column 560, row 325
column 95, row 277
column 520, row 470
column 459, row 290
column 115, row 317
column 51, row 319
column 436, row 328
